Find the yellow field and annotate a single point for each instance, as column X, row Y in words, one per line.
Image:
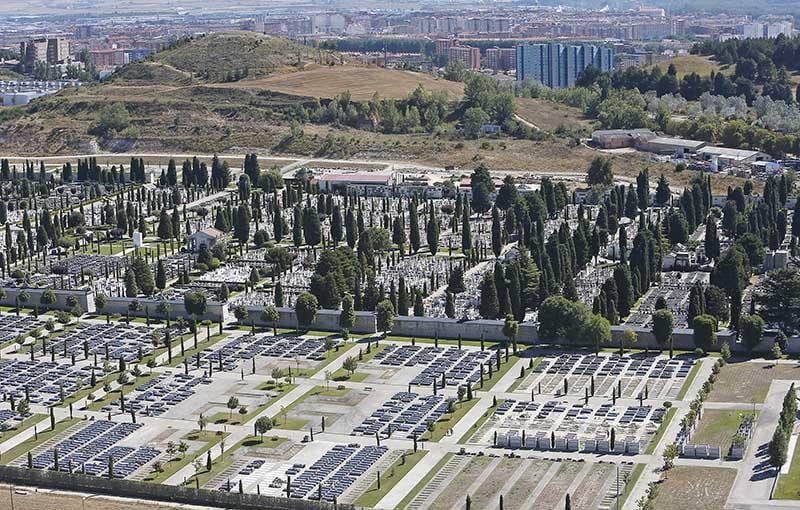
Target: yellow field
column 549, row 116
column 686, row 64
column 362, row 82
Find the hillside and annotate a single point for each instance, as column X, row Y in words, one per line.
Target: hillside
column 687, row 64
column 362, row 82
column 213, row 57
column 149, row 74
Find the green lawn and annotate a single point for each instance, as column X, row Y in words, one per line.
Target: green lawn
column 717, row 427
column 689, row 379
column 424, row 481
column 518, row 380
column 505, row 366
column 389, row 479
column 477, row 425
column 284, row 421
column 238, row 419
column 330, row 357
column 31, row 443
column 344, row 375
column 449, row 420
column 25, row 425
column 177, row 463
column 661, row 430
column 789, row 484
column 638, row 469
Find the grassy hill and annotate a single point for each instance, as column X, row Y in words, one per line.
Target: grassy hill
column 150, row 74
column 362, row 82
column 702, row 65
column 212, row 57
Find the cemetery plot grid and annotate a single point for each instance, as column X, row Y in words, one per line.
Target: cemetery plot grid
column 659, row 377
column 87, row 448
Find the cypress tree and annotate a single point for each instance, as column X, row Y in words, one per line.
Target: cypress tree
column 490, row 306
column 497, row 242
column 350, row 227
column 413, row 218
column 161, row 275
column 297, row 226
column 466, row 232
column 337, row 232
column 164, row 225
column 432, row 231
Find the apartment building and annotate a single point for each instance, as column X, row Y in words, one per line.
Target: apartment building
column 467, row 55
column 501, row 59
column 557, row 65
column 51, row 51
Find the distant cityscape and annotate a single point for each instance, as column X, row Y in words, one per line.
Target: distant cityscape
column 497, row 40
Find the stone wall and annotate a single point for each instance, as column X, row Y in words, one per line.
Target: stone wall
column 85, row 298
column 155, row 492
column 325, row 320
column 215, row 311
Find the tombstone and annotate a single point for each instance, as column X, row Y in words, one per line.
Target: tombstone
column 531, row 441
column 501, row 438
column 631, row 446
column 572, row 442
column 543, row 440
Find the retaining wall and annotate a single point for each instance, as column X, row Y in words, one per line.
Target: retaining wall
column 155, row 492
column 325, row 320
column 215, row 311
column 85, row 298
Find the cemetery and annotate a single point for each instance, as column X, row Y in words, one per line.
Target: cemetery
column 330, row 335
column 625, row 376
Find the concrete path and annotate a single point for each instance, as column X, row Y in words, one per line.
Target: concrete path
column 652, row 471
column 755, row 480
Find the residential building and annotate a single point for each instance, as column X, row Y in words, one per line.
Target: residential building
column 467, row 55
column 57, row 50
column 487, row 25
column 108, row 58
column 557, row 65
column 501, row 59
column 442, row 45
column 426, row 25
column 50, row 51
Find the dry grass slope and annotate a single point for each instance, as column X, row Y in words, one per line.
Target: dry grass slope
column 702, row 65
column 362, row 82
column 549, row 116
column 218, row 54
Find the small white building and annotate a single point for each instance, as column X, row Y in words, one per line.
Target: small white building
column 208, row 236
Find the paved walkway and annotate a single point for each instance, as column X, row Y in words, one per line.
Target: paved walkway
column 652, row 471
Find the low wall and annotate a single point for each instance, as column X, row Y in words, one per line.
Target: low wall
column 155, row 492
column 492, row 330
column 85, row 298
column 215, row 311
column 325, row 320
